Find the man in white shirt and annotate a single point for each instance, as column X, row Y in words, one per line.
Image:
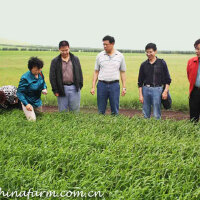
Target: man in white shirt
column 110, row 66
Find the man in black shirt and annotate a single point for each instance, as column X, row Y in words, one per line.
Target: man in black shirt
column 153, row 76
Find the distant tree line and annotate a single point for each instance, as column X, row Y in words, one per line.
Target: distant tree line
column 25, row 49
column 51, row 48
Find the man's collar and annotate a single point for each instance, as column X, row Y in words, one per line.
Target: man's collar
column 115, row 53
column 154, row 62
column 70, row 54
column 196, row 59
column 64, row 60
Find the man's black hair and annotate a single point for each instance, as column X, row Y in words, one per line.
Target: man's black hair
column 151, row 46
column 109, row 38
column 63, row 43
column 196, row 43
column 35, row 62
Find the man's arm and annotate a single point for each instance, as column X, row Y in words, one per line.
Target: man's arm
column 165, row 92
column 123, row 79
column 52, row 78
column 140, row 83
column 95, row 77
column 80, row 74
column 141, row 99
column 167, row 80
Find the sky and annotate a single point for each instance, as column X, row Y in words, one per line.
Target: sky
column 171, row 24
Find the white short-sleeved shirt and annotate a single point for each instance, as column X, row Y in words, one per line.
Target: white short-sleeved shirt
column 109, row 67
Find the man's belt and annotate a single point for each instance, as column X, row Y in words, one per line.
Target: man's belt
column 68, row 84
column 109, row 82
column 152, row 85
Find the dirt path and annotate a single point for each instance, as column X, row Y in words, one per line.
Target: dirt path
column 177, row 115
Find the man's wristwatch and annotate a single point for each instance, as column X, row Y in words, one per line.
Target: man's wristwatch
column 124, row 89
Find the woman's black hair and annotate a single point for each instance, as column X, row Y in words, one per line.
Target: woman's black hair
column 35, row 62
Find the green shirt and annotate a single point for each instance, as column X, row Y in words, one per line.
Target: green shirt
column 30, row 88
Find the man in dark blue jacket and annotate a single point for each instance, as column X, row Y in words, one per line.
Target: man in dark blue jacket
column 153, row 76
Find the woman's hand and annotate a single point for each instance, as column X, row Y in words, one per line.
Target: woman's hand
column 44, row 91
column 29, row 107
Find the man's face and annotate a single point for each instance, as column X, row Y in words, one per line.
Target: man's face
column 35, row 70
column 108, row 47
column 197, row 50
column 151, row 53
column 64, row 51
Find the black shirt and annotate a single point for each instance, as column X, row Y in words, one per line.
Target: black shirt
column 154, row 74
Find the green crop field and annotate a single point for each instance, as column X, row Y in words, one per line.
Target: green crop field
column 123, row 158
column 14, row 64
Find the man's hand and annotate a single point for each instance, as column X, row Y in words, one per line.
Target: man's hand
column 56, row 94
column 44, row 91
column 92, row 91
column 123, row 91
column 164, row 95
column 141, row 99
column 29, row 107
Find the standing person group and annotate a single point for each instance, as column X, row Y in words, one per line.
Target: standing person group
column 153, row 78
column 66, row 80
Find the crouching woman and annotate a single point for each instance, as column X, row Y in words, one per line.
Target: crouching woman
column 31, row 85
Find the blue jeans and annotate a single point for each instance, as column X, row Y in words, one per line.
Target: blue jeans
column 108, row 91
column 152, row 97
column 71, row 100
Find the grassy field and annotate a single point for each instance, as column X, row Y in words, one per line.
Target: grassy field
column 14, row 64
column 124, row 158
